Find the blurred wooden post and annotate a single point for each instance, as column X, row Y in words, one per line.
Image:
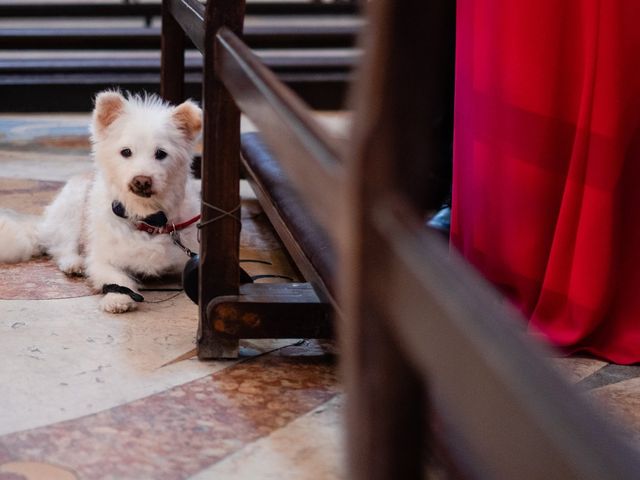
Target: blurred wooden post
column 404, row 72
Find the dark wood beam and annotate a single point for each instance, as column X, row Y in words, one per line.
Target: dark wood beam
column 220, row 239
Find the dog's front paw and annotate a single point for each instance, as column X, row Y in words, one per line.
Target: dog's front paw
column 71, row 265
column 117, row 303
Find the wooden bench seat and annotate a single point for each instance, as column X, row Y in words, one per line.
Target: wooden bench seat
column 305, row 240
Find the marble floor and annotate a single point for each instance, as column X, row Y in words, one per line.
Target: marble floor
column 85, row 394
column 89, row 395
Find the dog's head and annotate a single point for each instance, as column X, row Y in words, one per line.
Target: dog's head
column 142, row 147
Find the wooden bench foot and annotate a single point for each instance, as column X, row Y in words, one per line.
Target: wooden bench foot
column 276, row 310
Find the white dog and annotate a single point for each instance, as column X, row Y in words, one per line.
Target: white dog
column 115, row 225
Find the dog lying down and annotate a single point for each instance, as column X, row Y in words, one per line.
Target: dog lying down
column 114, row 225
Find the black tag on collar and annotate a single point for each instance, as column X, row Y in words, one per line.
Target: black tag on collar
column 158, row 219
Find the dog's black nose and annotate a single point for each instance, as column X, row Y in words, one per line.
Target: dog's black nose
column 141, row 185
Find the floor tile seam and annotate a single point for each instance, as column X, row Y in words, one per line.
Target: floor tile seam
column 309, row 399
column 255, row 441
column 615, row 385
column 606, row 376
column 165, row 388
column 232, row 363
column 232, row 452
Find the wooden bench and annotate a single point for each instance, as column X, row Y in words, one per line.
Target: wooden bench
column 441, row 378
column 65, row 66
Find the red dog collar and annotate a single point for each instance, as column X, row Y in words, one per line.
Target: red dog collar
column 155, row 223
column 168, row 228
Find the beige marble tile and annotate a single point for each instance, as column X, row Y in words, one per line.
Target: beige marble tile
column 309, row 448
column 179, row 432
column 64, row 358
column 577, row 368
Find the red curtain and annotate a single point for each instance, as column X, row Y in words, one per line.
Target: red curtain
column 546, row 189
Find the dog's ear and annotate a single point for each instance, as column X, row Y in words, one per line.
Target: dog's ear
column 109, row 106
column 188, row 118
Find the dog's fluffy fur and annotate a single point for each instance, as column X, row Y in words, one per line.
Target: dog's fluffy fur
column 79, row 229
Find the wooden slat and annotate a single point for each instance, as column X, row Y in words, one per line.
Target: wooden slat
column 99, row 78
column 344, row 7
column 79, row 38
column 46, row 8
column 276, row 310
column 189, row 14
column 72, row 92
column 305, row 151
column 318, row 62
column 518, row 417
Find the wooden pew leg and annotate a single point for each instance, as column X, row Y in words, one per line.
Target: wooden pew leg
column 214, row 346
column 172, row 58
column 220, row 238
column 280, row 310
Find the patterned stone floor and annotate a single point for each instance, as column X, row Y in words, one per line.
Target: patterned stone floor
column 88, row 395
column 84, row 394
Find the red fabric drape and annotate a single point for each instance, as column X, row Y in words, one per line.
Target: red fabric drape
column 546, row 189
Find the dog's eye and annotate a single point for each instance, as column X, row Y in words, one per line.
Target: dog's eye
column 161, row 154
column 126, row 152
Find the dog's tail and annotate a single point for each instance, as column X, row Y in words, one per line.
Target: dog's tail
column 18, row 237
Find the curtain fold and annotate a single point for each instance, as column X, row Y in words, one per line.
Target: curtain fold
column 546, row 164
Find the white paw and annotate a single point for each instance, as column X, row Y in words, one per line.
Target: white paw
column 117, row 303
column 72, row 265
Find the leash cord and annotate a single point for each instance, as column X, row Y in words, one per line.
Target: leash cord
column 223, row 213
